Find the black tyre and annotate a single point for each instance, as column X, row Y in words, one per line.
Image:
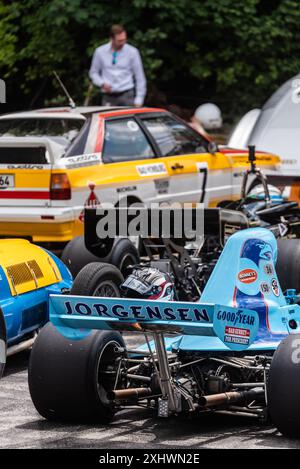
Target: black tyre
column 75, row 255
column 284, row 387
column 2, row 344
column 98, row 279
column 123, row 255
column 288, row 263
column 67, row 379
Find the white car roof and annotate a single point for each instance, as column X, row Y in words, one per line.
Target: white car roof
column 42, row 115
column 60, row 112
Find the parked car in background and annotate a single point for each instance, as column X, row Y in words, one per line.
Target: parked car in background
column 275, row 127
column 62, row 160
column 28, row 275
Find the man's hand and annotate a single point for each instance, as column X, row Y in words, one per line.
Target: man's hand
column 137, row 102
column 106, row 88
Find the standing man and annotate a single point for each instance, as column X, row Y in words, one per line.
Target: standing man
column 118, row 70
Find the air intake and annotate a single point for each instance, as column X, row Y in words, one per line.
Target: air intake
column 33, row 265
column 19, row 273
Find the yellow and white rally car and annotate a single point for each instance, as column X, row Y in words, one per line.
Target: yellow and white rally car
column 53, row 162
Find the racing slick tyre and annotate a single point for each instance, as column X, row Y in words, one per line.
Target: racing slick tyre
column 2, row 344
column 283, row 388
column 288, row 263
column 75, row 255
column 124, row 254
column 98, row 279
column 68, row 380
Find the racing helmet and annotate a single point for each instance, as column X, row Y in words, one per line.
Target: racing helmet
column 209, row 115
column 148, row 283
column 258, row 193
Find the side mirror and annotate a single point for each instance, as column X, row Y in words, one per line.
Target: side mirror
column 212, row 147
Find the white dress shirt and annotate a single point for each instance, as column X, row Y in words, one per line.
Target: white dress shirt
column 126, row 73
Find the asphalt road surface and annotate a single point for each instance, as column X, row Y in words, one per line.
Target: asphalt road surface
column 22, row 427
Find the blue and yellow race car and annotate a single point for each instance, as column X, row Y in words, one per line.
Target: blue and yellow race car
column 28, row 275
column 236, row 350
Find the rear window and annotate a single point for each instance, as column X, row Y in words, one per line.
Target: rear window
column 24, row 155
column 62, row 130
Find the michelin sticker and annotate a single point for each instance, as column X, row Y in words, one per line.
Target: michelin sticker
column 152, row 169
column 236, row 328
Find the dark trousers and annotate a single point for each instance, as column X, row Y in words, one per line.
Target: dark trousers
column 118, row 99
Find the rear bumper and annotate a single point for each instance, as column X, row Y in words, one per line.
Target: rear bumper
column 41, row 224
column 37, row 214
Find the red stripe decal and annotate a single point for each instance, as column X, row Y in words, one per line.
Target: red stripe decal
column 100, row 135
column 132, row 111
column 24, row 195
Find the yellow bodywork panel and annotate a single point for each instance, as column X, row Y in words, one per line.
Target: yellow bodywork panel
column 43, row 232
column 126, row 171
column 105, row 177
column 27, row 266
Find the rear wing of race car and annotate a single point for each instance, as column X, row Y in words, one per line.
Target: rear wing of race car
column 75, row 316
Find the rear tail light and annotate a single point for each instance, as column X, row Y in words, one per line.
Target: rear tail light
column 60, row 188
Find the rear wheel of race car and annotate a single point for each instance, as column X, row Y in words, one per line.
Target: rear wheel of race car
column 68, row 380
column 288, row 263
column 75, row 255
column 98, row 279
column 124, row 254
column 284, row 387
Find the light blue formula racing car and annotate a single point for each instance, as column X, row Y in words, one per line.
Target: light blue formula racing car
column 237, row 350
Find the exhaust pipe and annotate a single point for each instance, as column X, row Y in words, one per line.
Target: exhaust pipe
column 131, row 393
column 233, row 397
column 20, row 347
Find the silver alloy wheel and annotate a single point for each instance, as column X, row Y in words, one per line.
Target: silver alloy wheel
column 107, row 288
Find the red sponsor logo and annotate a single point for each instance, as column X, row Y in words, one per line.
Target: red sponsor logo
column 237, row 331
column 247, row 276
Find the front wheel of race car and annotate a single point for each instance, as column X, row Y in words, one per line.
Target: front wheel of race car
column 69, row 380
column 98, row 279
column 283, row 389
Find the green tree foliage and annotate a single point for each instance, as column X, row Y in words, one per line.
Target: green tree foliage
column 234, row 52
